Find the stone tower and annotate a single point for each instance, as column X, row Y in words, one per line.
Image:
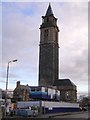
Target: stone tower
column 48, row 50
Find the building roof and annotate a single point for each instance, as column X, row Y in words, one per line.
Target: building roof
column 64, row 82
column 49, row 11
column 24, row 86
column 52, row 87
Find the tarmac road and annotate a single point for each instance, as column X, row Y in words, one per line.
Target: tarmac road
column 59, row 116
column 84, row 115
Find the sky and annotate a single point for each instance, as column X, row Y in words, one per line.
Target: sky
column 21, row 36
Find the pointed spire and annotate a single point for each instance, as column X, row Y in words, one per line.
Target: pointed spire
column 49, row 11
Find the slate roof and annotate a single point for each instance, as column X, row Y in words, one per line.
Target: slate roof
column 49, row 11
column 64, row 82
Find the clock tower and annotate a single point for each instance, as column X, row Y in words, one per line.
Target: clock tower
column 48, row 49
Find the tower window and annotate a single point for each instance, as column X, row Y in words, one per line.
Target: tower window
column 56, row 37
column 46, row 34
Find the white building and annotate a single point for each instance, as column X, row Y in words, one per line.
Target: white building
column 44, row 93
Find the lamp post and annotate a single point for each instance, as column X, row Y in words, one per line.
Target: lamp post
column 7, row 83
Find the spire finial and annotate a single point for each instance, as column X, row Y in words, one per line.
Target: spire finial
column 49, row 10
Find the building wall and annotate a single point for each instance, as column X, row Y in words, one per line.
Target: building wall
column 47, row 64
column 50, row 107
column 21, row 93
column 68, row 94
column 55, row 107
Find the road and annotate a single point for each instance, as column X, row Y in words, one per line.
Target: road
column 84, row 115
column 61, row 116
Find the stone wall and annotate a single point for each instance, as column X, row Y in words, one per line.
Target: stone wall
column 68, row 93
column 48, row 64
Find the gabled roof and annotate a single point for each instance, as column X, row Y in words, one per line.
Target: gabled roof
column 22, row 87
column 64, row 82
column 49, row 11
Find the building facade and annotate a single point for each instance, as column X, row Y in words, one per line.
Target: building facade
column 21, row 92
column 48, row 56
column 29, row 93
column 68, row 90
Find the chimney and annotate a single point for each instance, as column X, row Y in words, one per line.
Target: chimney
column 18, row 83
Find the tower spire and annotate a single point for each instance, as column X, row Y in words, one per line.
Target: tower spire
column 49, row 11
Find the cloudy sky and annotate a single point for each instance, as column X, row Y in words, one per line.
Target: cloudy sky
column 21, row 36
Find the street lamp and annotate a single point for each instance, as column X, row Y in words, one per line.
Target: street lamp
column 7, row 82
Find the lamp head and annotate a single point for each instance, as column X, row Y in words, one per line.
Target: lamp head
column 15, row 60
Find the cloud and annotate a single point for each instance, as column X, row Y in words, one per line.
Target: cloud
column 21, row 36
column 74, row 39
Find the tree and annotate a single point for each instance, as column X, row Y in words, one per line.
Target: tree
column 85, row 101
